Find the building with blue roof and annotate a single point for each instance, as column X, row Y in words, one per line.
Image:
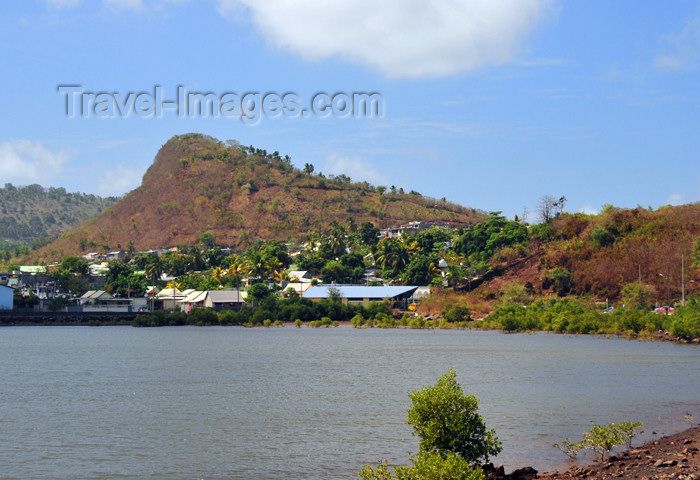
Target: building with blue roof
column 361, row 294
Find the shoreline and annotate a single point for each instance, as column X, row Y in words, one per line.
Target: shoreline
column 674, row 456
column 13, row 318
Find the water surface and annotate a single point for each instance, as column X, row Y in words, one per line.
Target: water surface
column 289, row 403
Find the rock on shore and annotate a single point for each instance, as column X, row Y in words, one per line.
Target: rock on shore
column 671, row 457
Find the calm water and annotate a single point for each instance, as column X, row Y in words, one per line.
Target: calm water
column 287, row 403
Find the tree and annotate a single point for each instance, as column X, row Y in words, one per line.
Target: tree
column 421, row 270
column 153, row 268
column 548, row 207
column 392, row 255
column 75, row 265
column 308, row 168
column 336, row 272
column 121, row 280
column 206, row 239
column 369, row 233
column 447, row 420
column 638, row 296
column 258, row 292
column 695, row 256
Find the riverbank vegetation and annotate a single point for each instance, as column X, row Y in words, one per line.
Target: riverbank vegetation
column 601, row 439
column 575, row 316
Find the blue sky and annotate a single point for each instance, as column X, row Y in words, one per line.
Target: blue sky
column 491, row 104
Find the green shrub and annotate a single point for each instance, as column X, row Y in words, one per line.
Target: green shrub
column 458, row 313
column 426, row 466
column 447, row 420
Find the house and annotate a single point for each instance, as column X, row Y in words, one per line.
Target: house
column 167, row 298
column 371, row 274
column 420, row 293
column 115, row 255
column 362, row 294
column 98, row 268
column 33, row 269
column 301, row 276
column 298, row 287
column 6, row 299
column 224, row 299
column 194, row 299
column 94, row 297
column 216, row 299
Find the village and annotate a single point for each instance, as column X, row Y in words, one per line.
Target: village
column 38, row 283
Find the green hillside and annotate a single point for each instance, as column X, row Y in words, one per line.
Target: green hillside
column 33, row 215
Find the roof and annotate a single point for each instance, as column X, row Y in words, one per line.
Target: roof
column 360, row 291
column 298, row 287
column 32, row 269
column 300, row 275
column 194, row 296
column 168, row 292
column 225, row 296
column 95, row 294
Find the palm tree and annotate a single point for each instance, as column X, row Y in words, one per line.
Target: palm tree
column 236, row 270
column 176, row 287
column 392, row 255
column 432, row 271
column 219, row 274
column 154, row 269
column 256, row 266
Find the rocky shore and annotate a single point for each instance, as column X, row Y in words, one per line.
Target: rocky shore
column 671, row 457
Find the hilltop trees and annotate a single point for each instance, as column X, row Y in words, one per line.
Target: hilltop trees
column 549, row 207
column 486, row 237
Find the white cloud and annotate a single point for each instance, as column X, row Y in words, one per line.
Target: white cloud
column 118, row 180
column 355, row 168
column 400, row 38
column 681, row 198
column 588, row 209
column 675, row 199
column 23, row 161
column 683, row 48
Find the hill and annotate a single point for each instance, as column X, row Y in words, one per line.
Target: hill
column 32, row 214
column 604, row 252
column 198, row 184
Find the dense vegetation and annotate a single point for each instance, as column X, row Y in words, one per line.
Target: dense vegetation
column 32, row 216
column 572, row 315
column 477, row 265
column 271, row 310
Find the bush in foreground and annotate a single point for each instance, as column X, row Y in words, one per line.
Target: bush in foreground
column 453, row 436
column 447, row 421
column 426, row 466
